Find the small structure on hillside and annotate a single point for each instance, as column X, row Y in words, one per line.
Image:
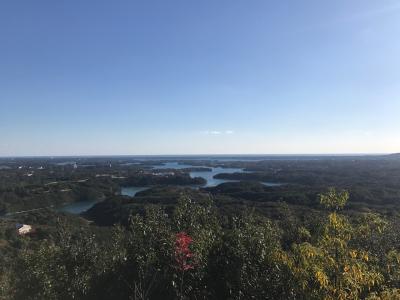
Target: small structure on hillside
column 23, row 229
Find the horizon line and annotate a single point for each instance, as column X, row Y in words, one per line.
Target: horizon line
column 199, row 155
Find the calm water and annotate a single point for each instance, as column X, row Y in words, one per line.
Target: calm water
column 174, row 165
column 77, row 207
column 132, row 190
column 80, row 207
column 271, row 184
column 207, row 175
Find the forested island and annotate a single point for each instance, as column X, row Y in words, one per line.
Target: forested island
column 304, row 227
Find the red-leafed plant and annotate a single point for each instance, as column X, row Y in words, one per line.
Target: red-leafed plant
column 183, row 254
column 183, row 257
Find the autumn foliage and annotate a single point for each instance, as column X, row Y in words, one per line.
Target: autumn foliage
column 183, row 255
column 195, row 253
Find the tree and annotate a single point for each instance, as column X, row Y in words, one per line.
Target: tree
column 330, row 268
column 65, row 269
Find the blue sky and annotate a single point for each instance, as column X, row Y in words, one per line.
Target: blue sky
column 199, row 77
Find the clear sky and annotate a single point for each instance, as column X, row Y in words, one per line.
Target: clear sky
column 83, row 77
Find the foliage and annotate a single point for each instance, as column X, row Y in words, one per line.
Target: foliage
column 330, row 268
column 334, row 200
column 195, row 252
column 247, row 264
column 62, row 270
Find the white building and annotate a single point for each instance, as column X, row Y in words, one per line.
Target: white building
column 24, row 229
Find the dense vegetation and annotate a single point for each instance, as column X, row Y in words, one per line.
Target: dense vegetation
column 38, row 183
column 238, row 240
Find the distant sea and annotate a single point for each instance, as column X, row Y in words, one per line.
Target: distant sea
column 219, row 157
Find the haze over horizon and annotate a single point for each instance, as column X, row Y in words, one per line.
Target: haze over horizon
column 188, row 77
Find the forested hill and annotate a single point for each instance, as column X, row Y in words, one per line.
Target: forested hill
column 277, row 230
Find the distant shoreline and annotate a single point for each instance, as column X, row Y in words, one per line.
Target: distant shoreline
column 173, row 156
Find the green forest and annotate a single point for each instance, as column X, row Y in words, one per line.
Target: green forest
column 195, row 253
column 237, row 240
